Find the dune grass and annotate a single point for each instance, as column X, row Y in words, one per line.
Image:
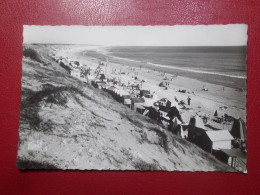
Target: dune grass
column 49, row 95
column 31, row 53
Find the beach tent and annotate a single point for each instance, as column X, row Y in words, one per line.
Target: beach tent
column 239, row 129
column 177, row 124
column 153, row 113
column 161, row 84
column 174, row 112
column 175, row 127
column 165, row 104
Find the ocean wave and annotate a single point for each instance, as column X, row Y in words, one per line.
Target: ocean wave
column 198, row 71
column 105, row 51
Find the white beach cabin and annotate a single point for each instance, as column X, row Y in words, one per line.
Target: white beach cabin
column 220, row 139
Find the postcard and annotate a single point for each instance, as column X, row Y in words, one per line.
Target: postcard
column 145, row 98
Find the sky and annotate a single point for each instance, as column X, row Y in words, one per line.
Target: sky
column 179, row 35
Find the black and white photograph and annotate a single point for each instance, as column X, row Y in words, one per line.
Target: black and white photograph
column 139, row 98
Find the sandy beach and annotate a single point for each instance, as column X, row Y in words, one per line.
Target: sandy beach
column 225, row 100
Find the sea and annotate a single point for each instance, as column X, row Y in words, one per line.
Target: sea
column 218, row 65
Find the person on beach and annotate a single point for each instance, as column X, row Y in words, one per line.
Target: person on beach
column 189, row 99
column 175, row 98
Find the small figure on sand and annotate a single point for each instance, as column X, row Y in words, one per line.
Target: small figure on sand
column 216, row 113
column 175, row 98
column 189, row 99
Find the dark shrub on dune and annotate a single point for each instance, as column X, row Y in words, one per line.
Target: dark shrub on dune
column 32, row 54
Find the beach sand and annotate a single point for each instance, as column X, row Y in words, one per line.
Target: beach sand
column 225, row 100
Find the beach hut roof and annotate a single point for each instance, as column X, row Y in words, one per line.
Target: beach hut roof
column 198, row 122
column 220, row 135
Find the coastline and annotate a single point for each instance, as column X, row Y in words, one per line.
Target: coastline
column 204, row 103
column 236, row 81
